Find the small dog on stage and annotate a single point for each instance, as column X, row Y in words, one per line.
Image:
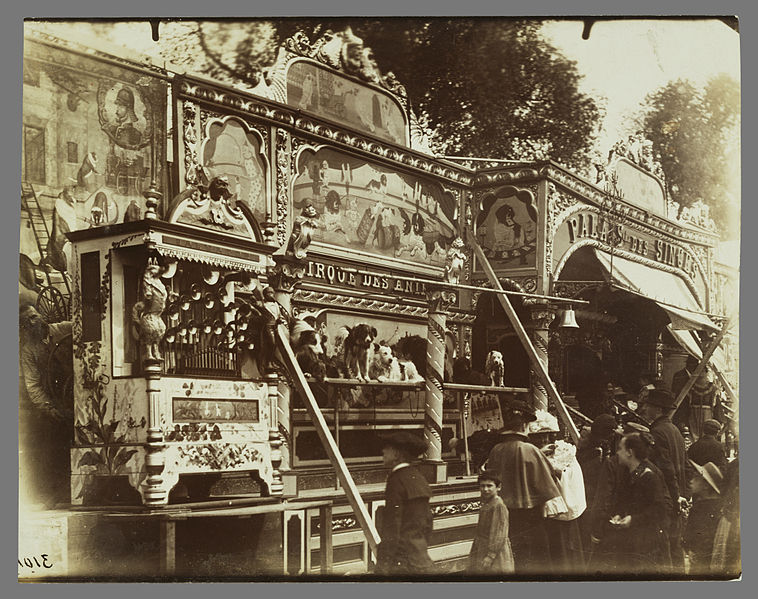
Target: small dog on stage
column 384, row 366
column 494, row 368
column 357, row 355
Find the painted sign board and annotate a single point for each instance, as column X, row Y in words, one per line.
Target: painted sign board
column 322, row 91
column 640, row 188
column 590, row 225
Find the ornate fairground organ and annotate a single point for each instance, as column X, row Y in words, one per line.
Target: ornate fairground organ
column 168, row 325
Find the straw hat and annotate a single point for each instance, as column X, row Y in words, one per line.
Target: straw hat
column 711, row 473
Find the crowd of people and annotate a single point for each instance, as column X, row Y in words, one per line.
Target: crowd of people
column 628, row 501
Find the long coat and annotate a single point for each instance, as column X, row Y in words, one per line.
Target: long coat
column 670, row 456
column 531, row 494
column 644, row 546
column 406, row 525
column 491, row 539
column 700, row 532
column 708, row 449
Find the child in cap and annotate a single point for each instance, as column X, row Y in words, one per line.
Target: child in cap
column 406, row 522
column 491, row 551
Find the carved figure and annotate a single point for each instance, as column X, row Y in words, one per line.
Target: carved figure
column 271, row 315
column 220, row 194
column 384, row 366
column 356, row 351
column 302, row 231
column 494, row 368
column 146, row 313
column 455, row 260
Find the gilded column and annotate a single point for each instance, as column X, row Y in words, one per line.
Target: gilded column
column 285, row 276
column 154, row 492
column 274, row 437
column 438, row 299
column 148, row 316
column 542, row 314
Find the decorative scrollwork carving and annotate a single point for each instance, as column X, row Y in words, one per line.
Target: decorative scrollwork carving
column 439, row 298
column 282, row 182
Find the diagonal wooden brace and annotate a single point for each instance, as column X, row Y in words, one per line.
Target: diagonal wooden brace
column 703, row 363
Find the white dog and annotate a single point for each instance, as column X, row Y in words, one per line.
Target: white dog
column 494, row 368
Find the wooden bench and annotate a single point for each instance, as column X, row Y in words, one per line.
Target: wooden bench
column 169, row 516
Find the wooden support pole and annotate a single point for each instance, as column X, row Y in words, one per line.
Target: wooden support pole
column 537, row 366
column 701, row 366
column 330, row 445
column 326, row 550
column 168, row 547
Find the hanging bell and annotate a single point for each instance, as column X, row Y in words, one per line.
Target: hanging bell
column 568, row 320
column 209, row 301
column 195, row 292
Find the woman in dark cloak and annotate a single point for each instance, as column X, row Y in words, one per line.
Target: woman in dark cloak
column 642, row 520
column 528, row 490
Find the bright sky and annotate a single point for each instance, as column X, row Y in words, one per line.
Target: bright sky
column 623, row 61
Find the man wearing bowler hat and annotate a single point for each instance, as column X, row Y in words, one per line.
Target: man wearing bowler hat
column 406, row 521
column 669, row 455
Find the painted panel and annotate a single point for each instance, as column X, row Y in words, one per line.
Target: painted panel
column 104, row 130
column 371, row 209
column 324, row 92
column 232, row 151
column 506, row 228
column 221, row 410
column 640, row 188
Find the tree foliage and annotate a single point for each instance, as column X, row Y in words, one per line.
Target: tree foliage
column 695, row 136
column 486, row 87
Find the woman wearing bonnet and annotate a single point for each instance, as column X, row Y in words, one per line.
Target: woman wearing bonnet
column 563, row 530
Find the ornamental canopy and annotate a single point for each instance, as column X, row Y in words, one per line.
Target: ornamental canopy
column 666, row 289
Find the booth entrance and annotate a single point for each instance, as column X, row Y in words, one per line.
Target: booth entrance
column 493, row 331
column 622, row 336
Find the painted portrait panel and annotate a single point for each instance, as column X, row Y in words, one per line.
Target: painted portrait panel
column 369, row 209
column 125, row 115
column 91, row 148
column 331, row 95
column 506, row 228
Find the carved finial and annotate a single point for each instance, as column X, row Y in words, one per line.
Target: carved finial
column 152, row 200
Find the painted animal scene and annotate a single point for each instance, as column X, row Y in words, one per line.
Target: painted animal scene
column 365, row 208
